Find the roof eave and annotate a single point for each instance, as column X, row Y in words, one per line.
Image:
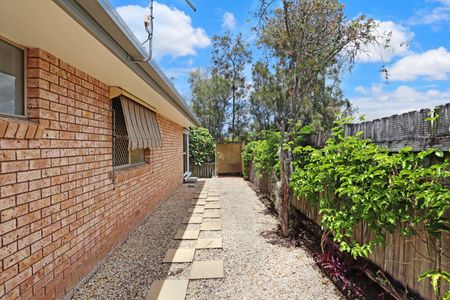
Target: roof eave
column 102, row 21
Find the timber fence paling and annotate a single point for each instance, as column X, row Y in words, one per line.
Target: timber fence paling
column 398, row 131
column 207, row 170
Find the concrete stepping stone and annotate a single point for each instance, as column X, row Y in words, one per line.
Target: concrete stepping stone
column 196, row 210
column 209, row 243
column 208, row 269
column 212, row 200
column 200, row 197
column 212, row 205
column 212, row 214
column 192, row 220
column 211, row 226
column 213, row 195
column 183, row 234
column 179, row 256
column 199, row 202
column 168, row 289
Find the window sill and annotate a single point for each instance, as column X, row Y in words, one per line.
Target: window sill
column 16, row 128
column 130, row 172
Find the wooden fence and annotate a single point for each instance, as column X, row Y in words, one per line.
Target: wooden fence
column 397, row 131
column 402, row 258
column 207, row 170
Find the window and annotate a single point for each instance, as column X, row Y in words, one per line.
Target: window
column 186, row 152
column 135, row 129
column 12, row 62
column 122, row 156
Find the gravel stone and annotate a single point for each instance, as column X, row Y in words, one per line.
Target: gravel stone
column 254, row 267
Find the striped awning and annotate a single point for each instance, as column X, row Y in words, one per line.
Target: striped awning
column 142, row 126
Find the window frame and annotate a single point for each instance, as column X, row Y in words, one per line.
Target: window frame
column 25, row 79
column 185, row 158
column 129, row 164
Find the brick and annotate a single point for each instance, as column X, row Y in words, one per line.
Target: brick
column 7, row 226
column 16, row 257
column 7, row 155
column 28, row 240
column 3, row 126
column 22, row 130
column 15, row 235
column 39, row 132
column 40, row 164
column 28, row 154
column 28, row 218
column 6, row 179
column 31, row 131
column 30, row 260
column 41, row 244
column 11, row 130
column 14, row 166
column 29, row 175
column 39, row 204
column 13, row 189
column 8, row 273
column 18, row 279
column 7, row 202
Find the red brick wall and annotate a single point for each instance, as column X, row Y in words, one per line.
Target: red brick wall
column 60, row 213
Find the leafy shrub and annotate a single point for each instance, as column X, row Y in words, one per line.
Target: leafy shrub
column 353, row 180
column 262, row 153
column 202, row 146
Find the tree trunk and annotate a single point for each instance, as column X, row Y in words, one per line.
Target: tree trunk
column 233, row 113
column 285, row 170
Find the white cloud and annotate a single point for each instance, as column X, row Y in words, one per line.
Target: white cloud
column 399, row 43
column 375, row 102
column 174, row 34
column 435, row 16
column 431, row 65
column 229, row 21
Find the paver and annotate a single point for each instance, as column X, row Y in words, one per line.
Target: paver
column 212, row 199
column 209, row 243
column 186, row 234
column 196, row 210
column 212, row 213
column 179, row 255
column 168, row 289
column 212, row 205
column 211, row 226
column 199, row 202
column 192, row 220
column 208, row 269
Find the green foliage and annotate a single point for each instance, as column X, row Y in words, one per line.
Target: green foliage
column 435, row 276
column 262, row 153
column 210, row 100
column 202, row 147
column 353, row 180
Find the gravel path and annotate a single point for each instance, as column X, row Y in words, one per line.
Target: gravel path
column 254, row 267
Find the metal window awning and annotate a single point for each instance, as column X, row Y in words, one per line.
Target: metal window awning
column 142, row 126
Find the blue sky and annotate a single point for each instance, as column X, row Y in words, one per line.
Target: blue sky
column 419, row 70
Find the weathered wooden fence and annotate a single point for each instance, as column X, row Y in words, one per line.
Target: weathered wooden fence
column 207, row 170
column 397, row 131
column 402, row 258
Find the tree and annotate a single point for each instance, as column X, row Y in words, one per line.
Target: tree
column 312, row 43
column 210, row 100
column 229, row 57
column 202, row 147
